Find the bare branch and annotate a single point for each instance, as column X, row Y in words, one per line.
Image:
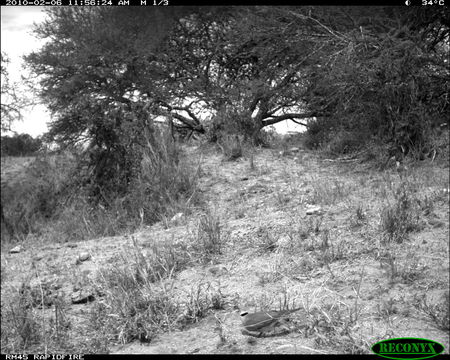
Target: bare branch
column 291, row 116
column 190, row 123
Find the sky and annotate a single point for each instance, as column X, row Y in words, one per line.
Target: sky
column 17, row 40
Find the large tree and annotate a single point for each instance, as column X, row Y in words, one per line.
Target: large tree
column 248, row 66
column 101, row 82
column 105, row 70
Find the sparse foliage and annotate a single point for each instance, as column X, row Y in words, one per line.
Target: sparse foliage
column 11, row 102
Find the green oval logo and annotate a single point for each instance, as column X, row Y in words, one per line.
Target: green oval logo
column 407, row 348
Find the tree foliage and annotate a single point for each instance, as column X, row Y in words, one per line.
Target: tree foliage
column 362, row 72
column 11, row 103
column 20, row 145
column 388, row 78
column 247, row 66
column 99, row 79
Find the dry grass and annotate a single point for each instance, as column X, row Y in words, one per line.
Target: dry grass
column 438, row 312
column 231, row 146
column 49, row 201
column 138, row 299
column 361, row 270
column 36, row 321
column 328, row 192
column 210, row 238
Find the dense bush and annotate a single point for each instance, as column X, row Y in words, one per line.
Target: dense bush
column 20, row 145
column 55, row 201
column 32, row 200
column 387, row 84
column 317, row 133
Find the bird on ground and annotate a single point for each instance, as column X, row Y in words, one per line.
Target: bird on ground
column 263, row 321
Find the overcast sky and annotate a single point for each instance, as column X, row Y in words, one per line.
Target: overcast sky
column 16, row 41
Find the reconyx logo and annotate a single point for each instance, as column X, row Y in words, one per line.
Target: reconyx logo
column 407, row 348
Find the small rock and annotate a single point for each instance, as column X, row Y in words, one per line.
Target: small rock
column 284, row 241
column 84, row 256
column 82, row 296
column 218, row 270
column 176, row 217
column 245, row 178
column 313, row 210
column 16, row 249
column 86, row 272
column 435, row 223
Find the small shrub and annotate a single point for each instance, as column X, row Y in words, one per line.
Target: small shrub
column 438, row 312
column 281, row 198
column 159, row 262
column 34, row 200
column 410, row 269
column 359, row 217
column 426, row 205
column 400, row 218
column 56, row 201
column 359, row 213
column 209, row 235
column 200, row 299
column 265, row 241
column 387, row 308
column 316, row 134
column 133, row 306
column 131, row 311
column 313, row 226
column 335, row 328
column 268, row 137
column 326, row 192
column 20, row 329
column 231, row 146
column 344, row 142
column 167, row 182
column 25, row 330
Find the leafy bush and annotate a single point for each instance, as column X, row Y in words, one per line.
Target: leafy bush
column 394, row 94
column 20, row 145
column 344, row 142
column 35, row 197
column 317, row 133
column 231, row 146
column 59, row 199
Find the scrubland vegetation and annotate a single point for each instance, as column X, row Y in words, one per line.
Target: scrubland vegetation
column 134, row 231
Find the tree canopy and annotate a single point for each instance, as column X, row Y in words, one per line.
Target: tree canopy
column 344, row 72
